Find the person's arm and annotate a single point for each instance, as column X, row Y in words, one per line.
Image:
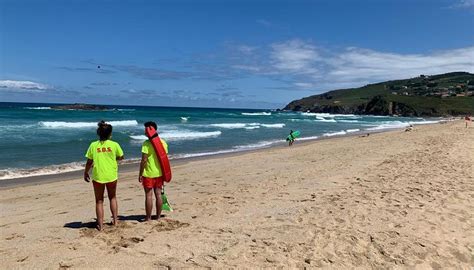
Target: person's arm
column 87, row 169
column 119, row 154
column 142, row 166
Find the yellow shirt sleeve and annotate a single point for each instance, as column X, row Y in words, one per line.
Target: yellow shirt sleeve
column 145, row 149
column 119, row 151
column 89, row 152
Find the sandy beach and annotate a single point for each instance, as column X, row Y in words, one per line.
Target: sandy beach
column 390, row 200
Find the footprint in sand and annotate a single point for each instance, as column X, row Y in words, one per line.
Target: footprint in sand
column 65, row 265
column 126, row 242
column 114, row 236
column 169, row 225
column 107, row 230
column 22, row 259
column 15, row 236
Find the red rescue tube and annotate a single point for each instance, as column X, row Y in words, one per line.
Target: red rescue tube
column 160, row 152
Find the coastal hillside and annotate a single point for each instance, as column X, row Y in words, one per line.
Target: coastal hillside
column 449, row 94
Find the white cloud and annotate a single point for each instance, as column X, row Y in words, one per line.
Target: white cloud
column 294, row 56
column 303, row 85
column 355, row 64
column 304, row 65
column 26, row 86
column 464, row 4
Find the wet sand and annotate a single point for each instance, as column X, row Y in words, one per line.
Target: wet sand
column 390, row 200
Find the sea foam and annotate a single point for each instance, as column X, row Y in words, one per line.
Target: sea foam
column 181, row 135
column 247, row 125
column 238, row 148
column 61, row 124
column 38, row 108
column 257, row 113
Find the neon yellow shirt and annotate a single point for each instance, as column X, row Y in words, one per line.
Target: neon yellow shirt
column 104, row 154
column 152, row 168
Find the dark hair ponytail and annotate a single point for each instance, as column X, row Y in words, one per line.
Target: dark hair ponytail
column 104, row 130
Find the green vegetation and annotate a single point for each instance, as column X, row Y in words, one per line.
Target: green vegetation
column 437, row 95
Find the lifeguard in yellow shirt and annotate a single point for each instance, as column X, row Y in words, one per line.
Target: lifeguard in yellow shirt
column 151, row 175
column 102, row 155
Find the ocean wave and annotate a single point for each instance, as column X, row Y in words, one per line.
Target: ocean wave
column 423, row 122
column 37, row 108
column 338, row 133
column 390, row 125
column 279, row 125
column 238, row 148
column 52, row 169
column 400, row 124
column 321, row 119
column 261, row 144
column 232, row 125
column 252, row 127
column 300, row 120
column 352, row 130
column 12, row 173
column 348, row 121
column 125, row 110
column 329, row 115
column 308, row 138
column 61, row 124
column 180, row 135
column 257, row 113
column 247, row 125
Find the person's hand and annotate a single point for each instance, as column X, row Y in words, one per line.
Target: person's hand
column 140, row 179
column 86, row 177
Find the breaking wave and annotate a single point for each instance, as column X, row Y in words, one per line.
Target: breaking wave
column 257, row 113
column 247, row 125
column 180, row 135
column 61, row 124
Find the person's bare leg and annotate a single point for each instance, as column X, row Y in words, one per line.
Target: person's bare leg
column 159, row 202
column 99, row 205
column 148, row 203
column 111, row 193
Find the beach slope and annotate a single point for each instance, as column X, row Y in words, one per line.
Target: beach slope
column 389, row 200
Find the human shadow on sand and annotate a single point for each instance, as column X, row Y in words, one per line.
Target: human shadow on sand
column 80, row 224
column 139, row 218
column 92, row 224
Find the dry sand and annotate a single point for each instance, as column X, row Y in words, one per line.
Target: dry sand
column 391, row 200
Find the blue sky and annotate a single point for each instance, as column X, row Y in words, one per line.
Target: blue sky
column 257, row 54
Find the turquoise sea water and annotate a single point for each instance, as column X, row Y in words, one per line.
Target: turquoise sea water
column 35, row 139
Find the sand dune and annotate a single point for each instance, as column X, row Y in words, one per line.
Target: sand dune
column 390, row 200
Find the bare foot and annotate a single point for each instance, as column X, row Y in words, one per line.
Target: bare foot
column 114, row 222
column 147, row 219
column 99, row 227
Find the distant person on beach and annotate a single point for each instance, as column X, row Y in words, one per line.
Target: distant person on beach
column 291, row 138
column 467, row 119
column 102, row 155
column 151, row 175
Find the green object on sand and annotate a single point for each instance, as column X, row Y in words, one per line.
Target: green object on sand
column 166, row 205
column 295, row 135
